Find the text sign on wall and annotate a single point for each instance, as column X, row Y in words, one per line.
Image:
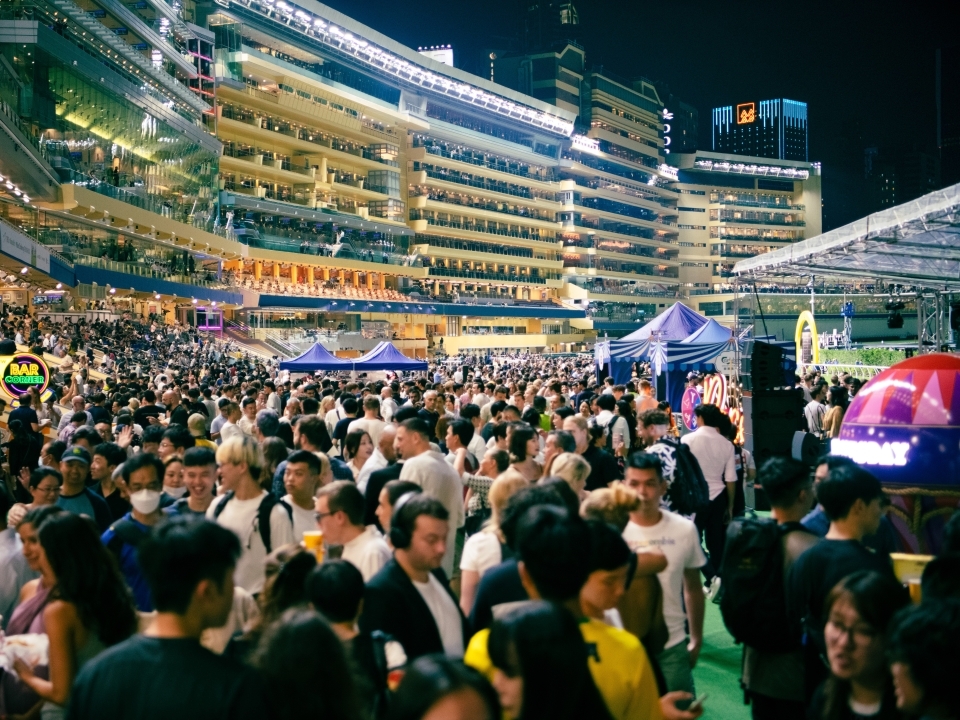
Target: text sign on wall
column 24, row 371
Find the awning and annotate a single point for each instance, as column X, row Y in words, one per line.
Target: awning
column 917, row 243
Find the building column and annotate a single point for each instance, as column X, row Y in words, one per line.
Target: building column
column 436, row 287
column 276, row 271
column 258, row 269
column 355, row 278
column 293, row 274
column 342, row 277
column 325, row 274
column 369, row 280
column 383, row 281
column 519, row 292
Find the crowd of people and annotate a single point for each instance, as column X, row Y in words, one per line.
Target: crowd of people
column 203, row 534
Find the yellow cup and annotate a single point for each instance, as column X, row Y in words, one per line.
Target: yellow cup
column 313, row 542
column 915, row 592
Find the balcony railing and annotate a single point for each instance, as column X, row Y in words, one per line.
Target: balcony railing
column 497, row 207
column 624, row 189
column 772, row 219
column 200, row 279
column 624, row 248
column 481, row 228
column 317, row 137
column 467, row 246
column 480, row 160
column 487, row 276
column 497, row 186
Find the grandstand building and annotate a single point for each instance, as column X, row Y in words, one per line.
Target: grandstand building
column 269, row 167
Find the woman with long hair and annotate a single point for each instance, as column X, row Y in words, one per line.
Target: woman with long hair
column 626, row 412
column 439, row 688
column 274, row 452
column 859, row 610
column 524, row 446
column 540, row 665
column 286, row 570
column 357, row 449
column 305, row 668
column 837, row 404
column 88, row 609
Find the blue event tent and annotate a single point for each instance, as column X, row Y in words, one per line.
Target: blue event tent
column 386, row 357
column 316, row 358
column 674, row 343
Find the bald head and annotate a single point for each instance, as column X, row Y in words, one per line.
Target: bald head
column 386, row 444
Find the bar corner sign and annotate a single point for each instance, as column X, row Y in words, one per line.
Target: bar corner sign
column 22, row 372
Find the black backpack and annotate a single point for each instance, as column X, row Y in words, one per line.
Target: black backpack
column 687, row 490
column 753, row 603
column 263, row 514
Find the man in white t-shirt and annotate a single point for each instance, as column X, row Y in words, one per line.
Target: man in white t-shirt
column 370, row 422
column 652, row 527
column 388, row 406
column 340, row 508
column 428, row 469
column 301, row 478
column 238, row 509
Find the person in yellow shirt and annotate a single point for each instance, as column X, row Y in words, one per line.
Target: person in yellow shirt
column 555, row 554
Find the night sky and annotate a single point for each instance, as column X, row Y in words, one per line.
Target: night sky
column 866, row 70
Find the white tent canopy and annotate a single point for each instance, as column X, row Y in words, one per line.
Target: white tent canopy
column 917, row 243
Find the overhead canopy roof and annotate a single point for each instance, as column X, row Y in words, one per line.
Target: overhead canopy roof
column 315, row 358
column 917, row 243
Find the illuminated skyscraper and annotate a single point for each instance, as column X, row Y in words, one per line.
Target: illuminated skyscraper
column 765, row 128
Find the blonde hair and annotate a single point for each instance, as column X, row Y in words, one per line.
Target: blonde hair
column 612, row 504
column 507, row 484
column 571, row 467
column 244, row 449
column 579, row 420
column 327, row 403
column 325, row 468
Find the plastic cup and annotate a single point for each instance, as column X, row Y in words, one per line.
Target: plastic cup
column 915, row 591
column 313, row 542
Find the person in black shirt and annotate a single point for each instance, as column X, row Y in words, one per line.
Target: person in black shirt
column 165, row 673
column 854, row 502
column 176, row 411
column 350, row 408
column 603, row 466
column 336, row 589
column 25, row 414
column 149, row 409
column 98, row 411
column 107, row 457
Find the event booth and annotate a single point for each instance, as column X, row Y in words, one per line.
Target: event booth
column 675, row 343
column 386, row 357
column 316, row 358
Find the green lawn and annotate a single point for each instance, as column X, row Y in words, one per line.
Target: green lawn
column 718, row 671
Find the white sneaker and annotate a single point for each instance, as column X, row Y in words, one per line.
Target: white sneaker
column 713, row 593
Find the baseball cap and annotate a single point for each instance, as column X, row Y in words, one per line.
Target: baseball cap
column 77, row 453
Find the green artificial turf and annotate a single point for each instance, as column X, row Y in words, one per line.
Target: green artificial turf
column 717, row 673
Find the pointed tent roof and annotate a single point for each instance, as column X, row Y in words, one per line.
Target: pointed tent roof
column 386, row 357
column 676, row 324
column 315, row 358
column 709, row 333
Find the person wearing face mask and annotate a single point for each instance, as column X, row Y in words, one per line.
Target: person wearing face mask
column 143, row 477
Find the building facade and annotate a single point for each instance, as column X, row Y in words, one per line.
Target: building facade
column 766, row 128
column 284, row 167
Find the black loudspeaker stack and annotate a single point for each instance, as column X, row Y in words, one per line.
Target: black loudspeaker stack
column 770, row 419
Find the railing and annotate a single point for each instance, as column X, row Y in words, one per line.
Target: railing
column 716, row 200
column 142, row 271
column 501, row 208
column 481, row 228
column 487, row 276
column 624, row 189
column 305, row 247
column 858, row 371
column 625, row 249
column 758, row 221
column 481, row 161
column 625, row 211
column 467, row 246
column 487, row 184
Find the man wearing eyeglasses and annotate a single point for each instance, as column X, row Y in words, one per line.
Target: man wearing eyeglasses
column 339, row 514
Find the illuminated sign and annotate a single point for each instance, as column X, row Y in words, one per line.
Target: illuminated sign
column 667, row 115
column 871, row 452
column 586, row 144
column 24, row 371
column 746, row 113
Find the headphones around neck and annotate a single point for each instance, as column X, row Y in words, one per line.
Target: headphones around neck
column 400, row 537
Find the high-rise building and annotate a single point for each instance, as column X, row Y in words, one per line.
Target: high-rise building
column 548, row 25
column 765, row 128
column 681, row 122
column 554, row 76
